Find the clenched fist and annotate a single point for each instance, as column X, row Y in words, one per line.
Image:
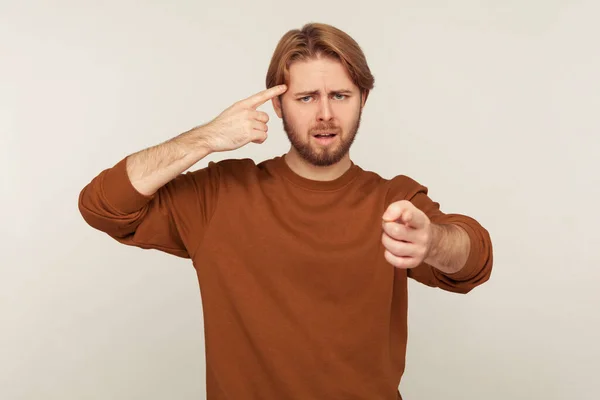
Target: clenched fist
column 241, row 123
column 407, row 235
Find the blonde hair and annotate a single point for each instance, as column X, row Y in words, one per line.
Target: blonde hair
column 312, row 41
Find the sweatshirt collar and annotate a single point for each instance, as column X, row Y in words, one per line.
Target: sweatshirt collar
column 284, row 170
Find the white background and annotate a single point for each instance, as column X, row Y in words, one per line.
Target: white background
column 492, row 105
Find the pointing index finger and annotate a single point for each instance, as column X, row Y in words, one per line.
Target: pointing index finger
column 262, row 97
column 415, row 218
column 405, row 213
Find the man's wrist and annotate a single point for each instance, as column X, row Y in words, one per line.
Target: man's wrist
column 195, row 143
column 449, row 248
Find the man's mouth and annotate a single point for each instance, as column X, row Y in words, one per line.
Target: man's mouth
column 325, row 138
column 324, row 135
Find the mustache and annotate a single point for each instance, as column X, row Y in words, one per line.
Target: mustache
column 325, row 127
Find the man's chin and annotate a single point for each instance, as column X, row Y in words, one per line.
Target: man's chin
column 320, row 157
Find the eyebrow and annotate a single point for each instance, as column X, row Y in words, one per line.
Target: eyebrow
column 314, row 92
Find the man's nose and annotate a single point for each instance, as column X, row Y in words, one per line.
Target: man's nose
column 325, row 113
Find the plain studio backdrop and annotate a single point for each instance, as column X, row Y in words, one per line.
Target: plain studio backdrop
column 492, row 105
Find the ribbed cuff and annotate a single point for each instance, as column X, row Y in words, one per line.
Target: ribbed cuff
column 119, row 192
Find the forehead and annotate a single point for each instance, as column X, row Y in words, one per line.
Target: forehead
column 319, row 74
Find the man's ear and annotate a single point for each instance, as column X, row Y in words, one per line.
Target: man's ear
column 276, row 101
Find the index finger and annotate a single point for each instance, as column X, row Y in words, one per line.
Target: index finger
column 262, row 97
column 405, row 213
column 413, row 219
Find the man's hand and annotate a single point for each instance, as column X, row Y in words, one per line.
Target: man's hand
column 241, row 123
column 151, row 168
column 407, row 235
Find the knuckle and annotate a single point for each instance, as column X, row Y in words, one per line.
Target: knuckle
column 386, row 242
column 389, row 230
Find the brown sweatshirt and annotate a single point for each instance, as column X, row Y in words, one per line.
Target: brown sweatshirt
column 298, row 299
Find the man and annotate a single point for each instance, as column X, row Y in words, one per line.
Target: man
column 302, row 259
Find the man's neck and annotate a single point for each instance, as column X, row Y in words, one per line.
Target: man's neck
column 313, row 172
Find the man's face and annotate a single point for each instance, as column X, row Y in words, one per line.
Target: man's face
column 321, row 110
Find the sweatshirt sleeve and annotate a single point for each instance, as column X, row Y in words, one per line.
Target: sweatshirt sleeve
column 172, row 220
column 478, row 267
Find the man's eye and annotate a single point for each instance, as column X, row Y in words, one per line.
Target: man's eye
column 340, row 96
column 305, row 99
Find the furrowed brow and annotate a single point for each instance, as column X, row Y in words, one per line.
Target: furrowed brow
column 315, row 92
column 307, row 93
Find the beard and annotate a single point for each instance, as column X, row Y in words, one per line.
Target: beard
column 321, row 156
